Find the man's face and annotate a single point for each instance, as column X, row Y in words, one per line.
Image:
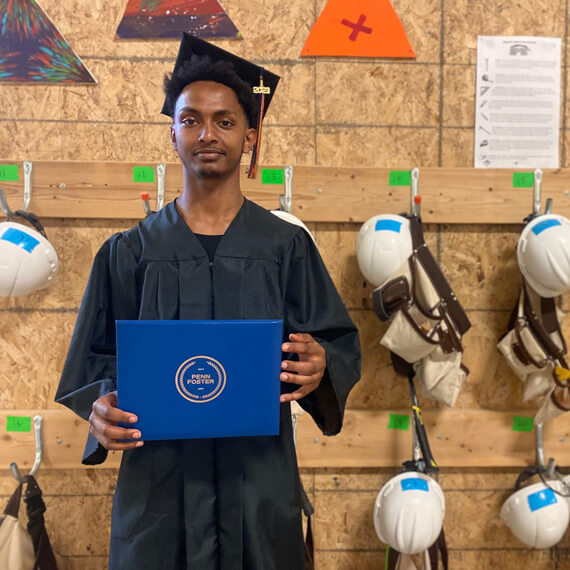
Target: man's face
column 210, row 130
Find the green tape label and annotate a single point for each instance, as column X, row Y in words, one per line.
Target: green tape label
column 398, row 421
column 272, row 176
column 9, row 172
column 18, row 423
column 522, row 423
column 143, row 174
column 400, row 178
column 523, row 180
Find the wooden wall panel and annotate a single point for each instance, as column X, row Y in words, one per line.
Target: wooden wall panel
column 563, row 560
column 81, row 562
column 327, row 112
column 79, row 525
column 379, row 99
column 456, row 147
column 459, row 107
column 349, row 560
column 503, row 559
column 32, row 349
column 393, row 147
column 343, row 521
column 490, row 385
column 480, row 265
column 422, row 24
column 130, row 91
column 565, row 148
column 487, row 439
column 466, row 20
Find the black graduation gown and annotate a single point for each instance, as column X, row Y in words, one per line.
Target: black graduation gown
column 209, row 504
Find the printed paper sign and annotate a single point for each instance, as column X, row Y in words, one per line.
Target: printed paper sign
column 517, row 108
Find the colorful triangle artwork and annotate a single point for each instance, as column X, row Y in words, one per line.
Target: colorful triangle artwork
column 358, row 28
column 33, row 50
column 169, row 18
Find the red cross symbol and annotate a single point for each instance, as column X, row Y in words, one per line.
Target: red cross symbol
column 357, row 28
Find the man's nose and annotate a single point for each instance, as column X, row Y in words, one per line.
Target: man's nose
column 207, row 133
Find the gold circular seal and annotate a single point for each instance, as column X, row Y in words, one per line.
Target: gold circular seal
column 200, row 379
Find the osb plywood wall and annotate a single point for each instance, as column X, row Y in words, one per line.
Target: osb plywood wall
column 327, row 113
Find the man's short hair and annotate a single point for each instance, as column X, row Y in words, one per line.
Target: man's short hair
column 203, row 69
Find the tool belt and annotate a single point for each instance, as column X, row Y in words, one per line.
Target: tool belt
column 535, row 350
column 19, row 549
column 427, row 321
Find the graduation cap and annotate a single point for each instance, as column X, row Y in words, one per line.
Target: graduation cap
column 263, row 82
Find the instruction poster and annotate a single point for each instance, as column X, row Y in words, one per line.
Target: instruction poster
column 517, row 104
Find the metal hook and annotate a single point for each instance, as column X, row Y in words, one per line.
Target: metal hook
column 27, row 185
column 145, row 196
column 38, row 420
column 285, row 200
column 296, row 411
column 536, row 191
column 415, row 198
column 294, row 422
column 539, row 446
column 550, row 468
column 416, row 445
column 4, row 205
column 161, row 172
column 27, row 192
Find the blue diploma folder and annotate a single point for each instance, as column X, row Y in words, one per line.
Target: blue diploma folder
column 196, row 379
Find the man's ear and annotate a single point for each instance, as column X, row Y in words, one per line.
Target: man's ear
column 249, row 141
column 173, row 138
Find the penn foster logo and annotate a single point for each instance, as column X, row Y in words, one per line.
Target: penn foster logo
column 200, row 379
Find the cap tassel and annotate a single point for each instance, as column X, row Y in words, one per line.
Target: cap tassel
column 260, row 90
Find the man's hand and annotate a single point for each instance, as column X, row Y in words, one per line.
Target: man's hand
column 104, row 419
column 308, row 371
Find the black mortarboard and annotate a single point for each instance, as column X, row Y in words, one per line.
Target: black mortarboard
column 263, row 82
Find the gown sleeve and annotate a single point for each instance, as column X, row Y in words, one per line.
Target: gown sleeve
column 90, row 367
column 313, row 305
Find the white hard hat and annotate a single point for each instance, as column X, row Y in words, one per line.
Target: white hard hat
column 536, row 515
column 409, row 511
column 383, row 244
column 288, row 217
column 28, row 261
column 543, row 254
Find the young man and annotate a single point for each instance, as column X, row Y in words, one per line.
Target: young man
column 226, row 503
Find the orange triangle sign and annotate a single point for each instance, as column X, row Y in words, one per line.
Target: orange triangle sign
column 359, row 28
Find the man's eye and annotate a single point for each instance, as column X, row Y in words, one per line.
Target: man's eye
column 188, row 121
column 226, row 123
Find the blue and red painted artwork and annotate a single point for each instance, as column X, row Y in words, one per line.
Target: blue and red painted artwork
column 169, row 18
column 33, row 50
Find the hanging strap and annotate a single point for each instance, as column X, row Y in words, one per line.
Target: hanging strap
column 432, row 268
column 13, row 506
column 391, row 297
column 308, row 510
column 527, row 474
column 32, row 219
column 538, row 326
column 36, row 526
column 392, row 557
column 309, row 547
column 439, row 547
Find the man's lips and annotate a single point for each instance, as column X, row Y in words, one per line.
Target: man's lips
column 209, row 153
